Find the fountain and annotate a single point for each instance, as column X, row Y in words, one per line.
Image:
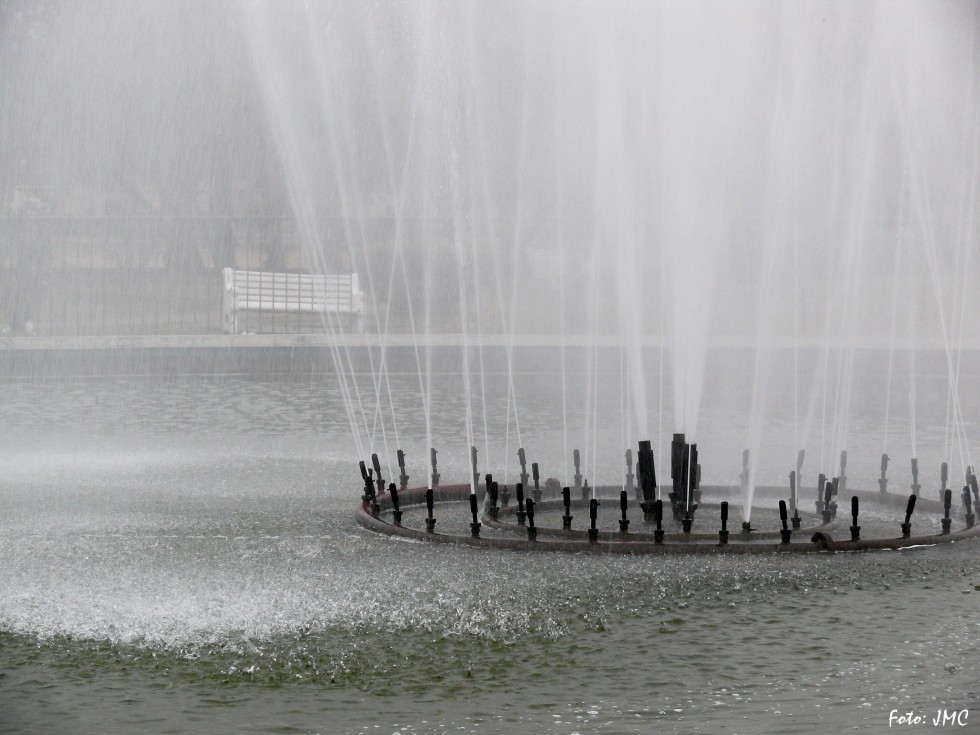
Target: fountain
column 752, row 540
column 712, row 240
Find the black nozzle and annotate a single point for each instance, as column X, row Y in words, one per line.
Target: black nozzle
column 494, row 493
column 474, row 510
column 593, row 514
column 855, row 528
column 576, row 459
column 532, row 530
column 723, row 533
column 658, row 516
column 947, row 504
column 519, row 492
column 623, row 502
column 646, row 471
column 534, row 473
column 376, row 463
column 401, row 459
column 430, row 520
column 909, row 508
column 364, row 472
column 784, row 532
column 566, row 496
column 396, row 511
column 521, row 457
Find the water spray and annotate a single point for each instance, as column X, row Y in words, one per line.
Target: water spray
column 743, row 478
column 841, row 479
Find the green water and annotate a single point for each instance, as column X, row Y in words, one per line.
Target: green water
column 182, row 558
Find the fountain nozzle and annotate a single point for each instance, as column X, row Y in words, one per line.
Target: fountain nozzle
column 430, row 521
column 566, row 520
column 403, row 476
column 723, row 533
column 909, row 508
column 435, row 470
column 474, row 510
column 593, row 514
column 784, row 533
column 855, row 528
column 624, row 523
column 947, row 504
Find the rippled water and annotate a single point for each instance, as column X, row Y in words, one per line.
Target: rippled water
column 181, row 557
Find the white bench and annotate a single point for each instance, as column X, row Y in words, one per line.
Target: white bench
column 299, row 293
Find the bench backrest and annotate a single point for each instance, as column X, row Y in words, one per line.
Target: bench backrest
column 268, row 291
column 310, row 293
